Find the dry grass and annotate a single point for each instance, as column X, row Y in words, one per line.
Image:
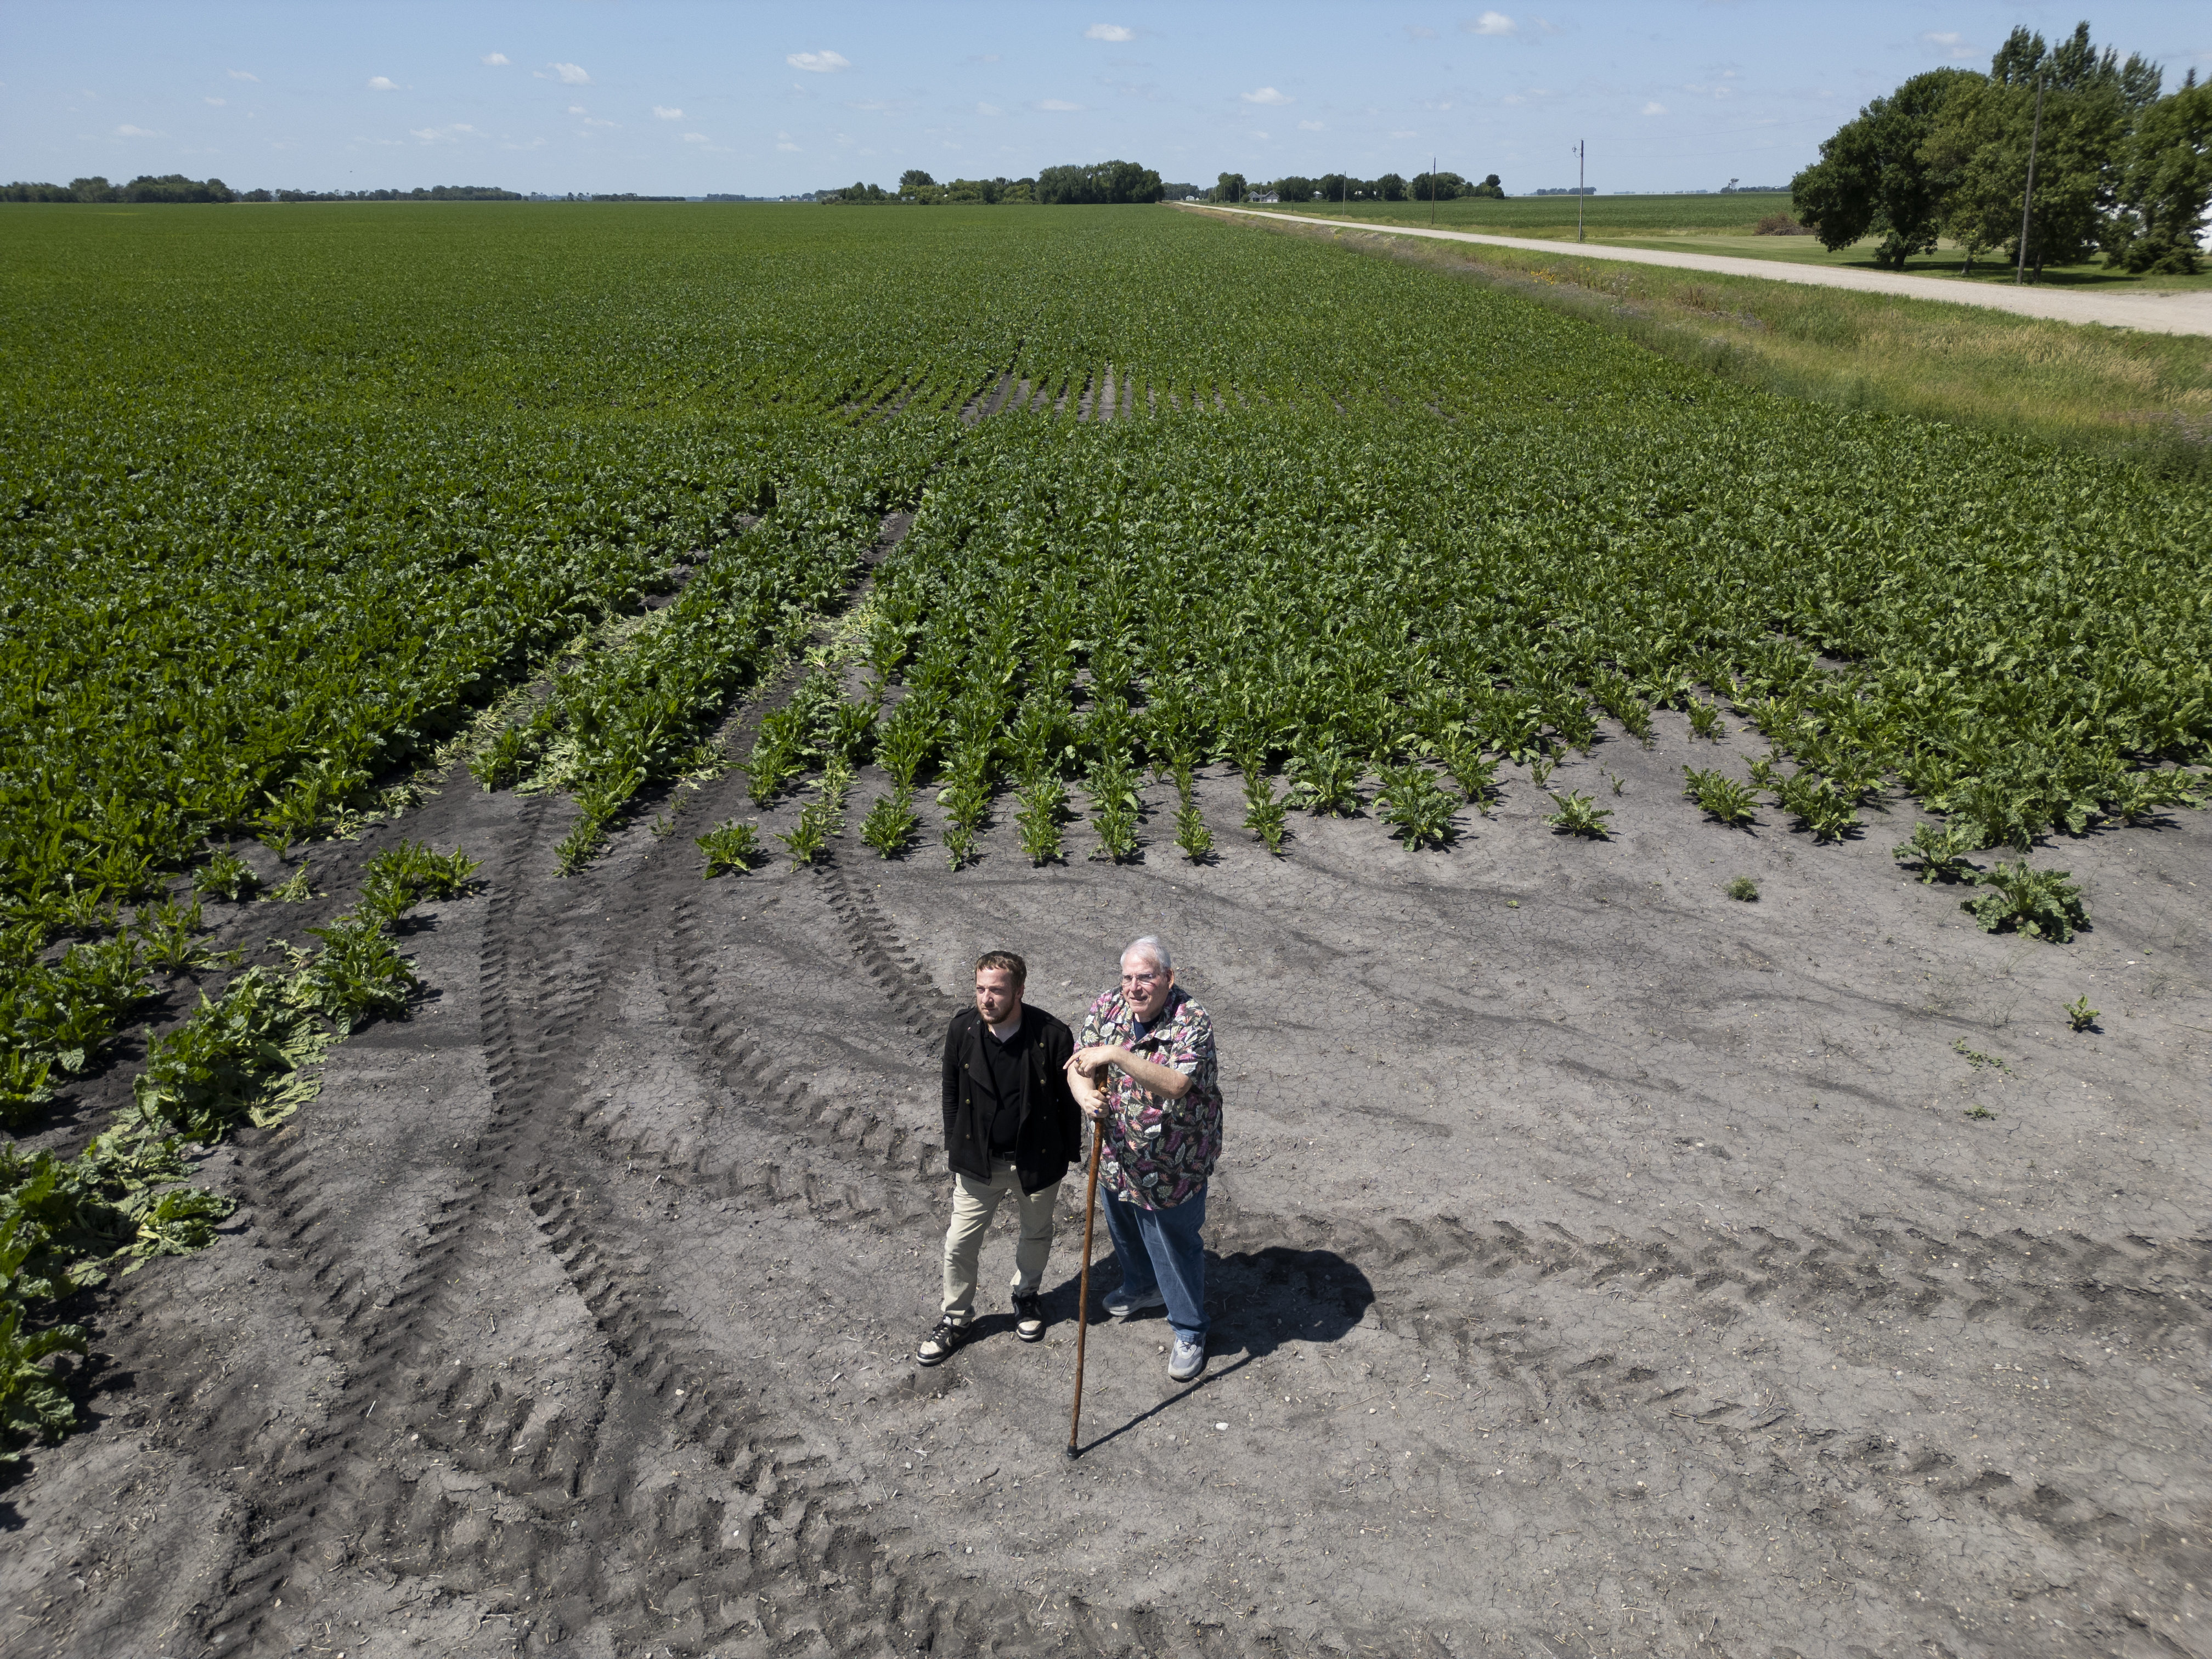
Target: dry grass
column 2138, row 396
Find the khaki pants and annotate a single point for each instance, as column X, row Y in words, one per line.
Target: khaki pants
column 974, row 1203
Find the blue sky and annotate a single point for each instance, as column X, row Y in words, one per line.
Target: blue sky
column 659, row 96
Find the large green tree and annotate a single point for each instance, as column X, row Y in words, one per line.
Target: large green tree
column 1981, row 144
column 2166, row 185
column 1875, row 178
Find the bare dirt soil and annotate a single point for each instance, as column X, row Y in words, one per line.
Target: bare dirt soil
column 1599, row 1265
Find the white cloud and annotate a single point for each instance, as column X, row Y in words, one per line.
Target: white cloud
column 570, row 75
column 875, row 104
column 988, row 109
column 783, row 142
column 1655, row 109
column 694, row 138
column 1405, row 135
column 217, row 102
column 1492, row 22
column 594, row 121
column 1313, row 126
column 382, row 83
column 667, row 113
column 497, row 60
column 242, row 75
column 1114, row 31
column 1261, row 134
column 1265, row 95
column 1059, row 105
column 431, row 135
column 129, row 131
column 578, row 109
column 1949, row 42
column 819, row 62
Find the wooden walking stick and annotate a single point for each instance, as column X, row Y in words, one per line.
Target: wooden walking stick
column 1082, row 1295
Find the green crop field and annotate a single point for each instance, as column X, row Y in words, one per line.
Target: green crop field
column 299, row 498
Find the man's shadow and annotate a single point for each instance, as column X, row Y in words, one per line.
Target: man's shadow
column 1257, row 1301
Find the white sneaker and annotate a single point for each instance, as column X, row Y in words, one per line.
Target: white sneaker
column 1121, row 1305
column 1186, row 1361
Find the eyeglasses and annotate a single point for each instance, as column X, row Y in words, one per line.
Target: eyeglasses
column 1141, row 979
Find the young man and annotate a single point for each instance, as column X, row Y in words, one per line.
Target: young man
column 1011, row 1126
column 1146, row 1074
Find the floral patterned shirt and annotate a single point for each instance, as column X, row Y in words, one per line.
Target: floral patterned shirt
column 1158, row 1151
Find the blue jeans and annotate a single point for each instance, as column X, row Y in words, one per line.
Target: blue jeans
column 1161, row 1250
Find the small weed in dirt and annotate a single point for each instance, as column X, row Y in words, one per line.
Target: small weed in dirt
column 1745, row 888
column 890, row 823
column 731, row 846
column 1979, row 1110
column 1705, row 720
column 2041, row 903
column 297, row 890
column 1619, row 783
column 1977, row 1059
column 226, row 876
column 2080, row 1015
column 1540, row 771
column 1577, row 815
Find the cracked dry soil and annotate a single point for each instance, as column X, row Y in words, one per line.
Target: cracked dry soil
column 1599, row 1266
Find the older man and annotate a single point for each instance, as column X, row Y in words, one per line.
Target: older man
column 1011, row 1127
column 1146, row 1075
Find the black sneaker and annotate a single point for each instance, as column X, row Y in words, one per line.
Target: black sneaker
column 1028, row 1316
column 939, row 1345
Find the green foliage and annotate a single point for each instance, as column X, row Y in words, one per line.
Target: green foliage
column 225, row 875
column 1818, row 804
column 2080, row 1016
column 296, row 889
column 169, row 933
column 809, row 839
column 1577, row 814
column 1192, row 836
column 1939, row 852
column 891, row 823
column 402, row 876
column 1415, row 806
column 1720, row 797
column 1743, row 889
column 2041, row 903
column 734, row 846
column 1266, row 813
column 1705, row 720
column 1042, row 807
column 1324, row 780
column 1114, row 807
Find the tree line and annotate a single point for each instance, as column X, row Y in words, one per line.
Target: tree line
column 1342, row 187
column 175, row 187
column 2121, row 168
column 1101, row 183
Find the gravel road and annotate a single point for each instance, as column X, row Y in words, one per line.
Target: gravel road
column 2159, row 311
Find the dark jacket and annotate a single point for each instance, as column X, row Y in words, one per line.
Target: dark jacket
column 1051, row 1134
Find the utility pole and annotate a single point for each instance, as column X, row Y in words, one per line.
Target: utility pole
column 1582, row 180
column 1433, row 192
column 2027, row 196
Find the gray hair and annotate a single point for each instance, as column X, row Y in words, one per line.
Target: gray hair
column 1150, row 946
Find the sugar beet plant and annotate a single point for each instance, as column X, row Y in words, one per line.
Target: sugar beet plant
column 247, row 1056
